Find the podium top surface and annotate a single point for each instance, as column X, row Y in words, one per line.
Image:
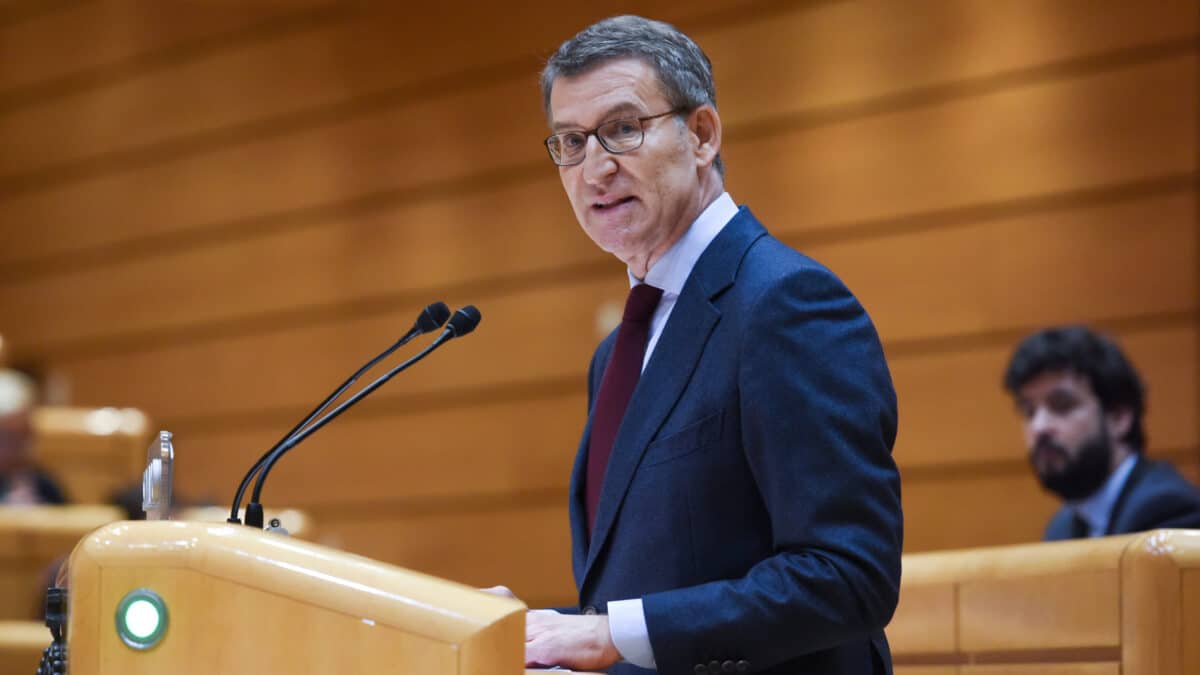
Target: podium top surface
column 312, row 574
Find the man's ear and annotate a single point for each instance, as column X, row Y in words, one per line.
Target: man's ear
column 705, row 126
column 1119, row 422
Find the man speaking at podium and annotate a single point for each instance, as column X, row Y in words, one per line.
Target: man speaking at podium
column 734, row 503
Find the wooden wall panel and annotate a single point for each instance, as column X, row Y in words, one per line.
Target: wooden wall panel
column 481, row 237
column 1019, row 143
column 1080, row 609
column 1005, row 505
column 315, row 71
column 94, row 38
column 902, row 276
column 519, row 319
column 905, row 52
column 1091, row 134
column 528, row 335
column 218, row 215
column 1008, row 273
column 1044, row 669
column 408, row 456
column 527, row 549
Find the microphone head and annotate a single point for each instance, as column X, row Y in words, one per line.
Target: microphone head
column 464, row 321
column 431, row 318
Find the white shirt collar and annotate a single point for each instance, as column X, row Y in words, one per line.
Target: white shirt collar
column 1096, row 510
column 671, row 270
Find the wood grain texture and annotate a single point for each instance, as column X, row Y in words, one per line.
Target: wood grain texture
column 1081, row 609
column 1092, row 135
column 100, row 40
column 1044, row 669
column 216, row 216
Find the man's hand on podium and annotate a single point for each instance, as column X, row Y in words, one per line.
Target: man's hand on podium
column 578, row 642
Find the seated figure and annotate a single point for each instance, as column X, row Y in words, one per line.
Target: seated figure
column 1081, row 404
column 21, row 481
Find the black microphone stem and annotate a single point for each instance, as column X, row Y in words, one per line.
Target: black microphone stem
column 291, row 441
column 431, row 317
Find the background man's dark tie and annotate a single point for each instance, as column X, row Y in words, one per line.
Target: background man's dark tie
column 616, row 388
column 1079, row 528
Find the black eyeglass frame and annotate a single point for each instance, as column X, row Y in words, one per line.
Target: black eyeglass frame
column 594, row 131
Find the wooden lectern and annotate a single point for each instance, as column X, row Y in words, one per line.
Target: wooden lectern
column 186, row 597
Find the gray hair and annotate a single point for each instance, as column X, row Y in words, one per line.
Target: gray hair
column 684, row 71
column 17, row 392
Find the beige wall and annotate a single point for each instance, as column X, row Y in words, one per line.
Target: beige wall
column 215, row 211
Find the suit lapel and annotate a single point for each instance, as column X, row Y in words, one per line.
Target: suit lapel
column 1135, row 477
column 578, row 510
column 670, row 369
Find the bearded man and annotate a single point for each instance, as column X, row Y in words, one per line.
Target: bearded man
column 1081, row 404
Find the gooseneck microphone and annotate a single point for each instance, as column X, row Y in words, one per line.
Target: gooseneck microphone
column 430, row 319
column 461, row 323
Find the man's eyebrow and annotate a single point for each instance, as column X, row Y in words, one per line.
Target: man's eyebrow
column 618, row 109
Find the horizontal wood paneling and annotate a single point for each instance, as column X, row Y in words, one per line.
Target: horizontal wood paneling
column 526, row 549
column 338, row 66
column 1041, row 138
column 919, row 48
column 974, row 510
column 1080, row 609
column 406, row 249
column 514, row 332
column 980, row 276
column 217, row 222
column 1059, row 136
column 937, row 630
column 1009, row 272
column 526, row 336
column 911, row 49
column 58, row 47
column 1044, row 669
column 417, row 459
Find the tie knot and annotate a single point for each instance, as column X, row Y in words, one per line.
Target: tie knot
column 643, row 298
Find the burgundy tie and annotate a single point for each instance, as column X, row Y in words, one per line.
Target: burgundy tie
column 616, row 388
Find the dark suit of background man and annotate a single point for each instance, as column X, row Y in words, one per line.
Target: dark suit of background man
column 1082, row 404
column 741, row 512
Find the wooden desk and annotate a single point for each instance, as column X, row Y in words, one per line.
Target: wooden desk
column 1127, row 605
column 33, row 537
column 21, row 645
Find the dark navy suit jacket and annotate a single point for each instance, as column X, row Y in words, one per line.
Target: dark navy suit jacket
column 1154, row 496
column 751, row 499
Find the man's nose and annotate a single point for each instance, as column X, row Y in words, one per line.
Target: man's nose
column 1041, row 422
column 598, row 163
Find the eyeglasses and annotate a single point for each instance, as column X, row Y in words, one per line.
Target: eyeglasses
column 616, row 136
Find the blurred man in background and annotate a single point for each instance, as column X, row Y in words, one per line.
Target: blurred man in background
column 21, row 482
column 1082, row 404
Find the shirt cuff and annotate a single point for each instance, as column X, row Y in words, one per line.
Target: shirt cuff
column 627, row 625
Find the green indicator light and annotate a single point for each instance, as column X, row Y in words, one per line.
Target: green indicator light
column 141, row 619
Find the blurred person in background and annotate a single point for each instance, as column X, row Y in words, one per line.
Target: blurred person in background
column 1081, row 403
column 21, row 482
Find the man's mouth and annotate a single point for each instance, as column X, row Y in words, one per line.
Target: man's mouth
column 604, row 206
column 1050, row 457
